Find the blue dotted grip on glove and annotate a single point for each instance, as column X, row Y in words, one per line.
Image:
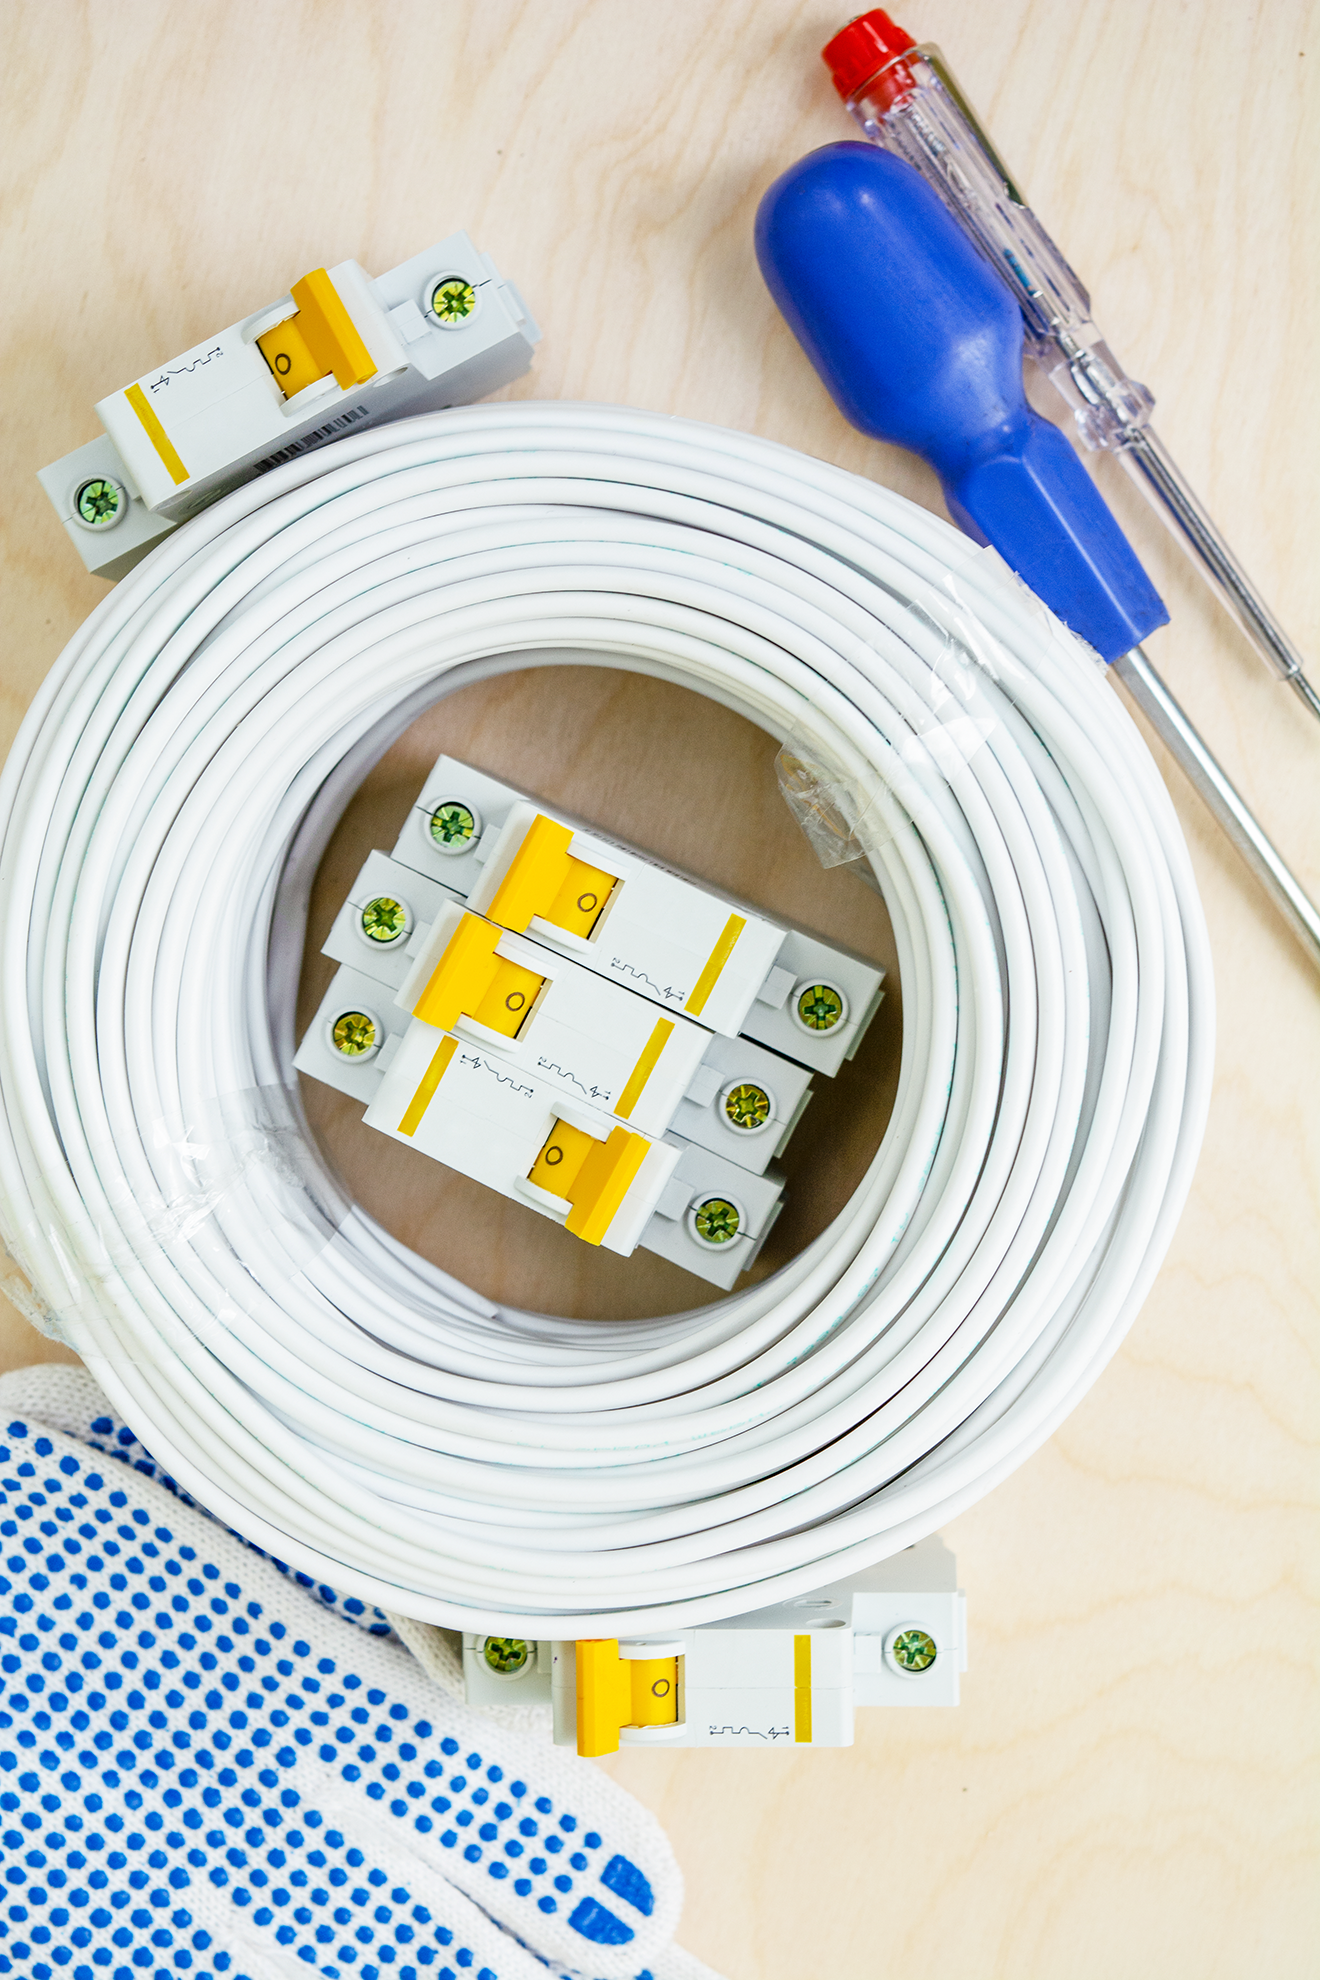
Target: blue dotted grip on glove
column 118, row 1441
column 193, row 1784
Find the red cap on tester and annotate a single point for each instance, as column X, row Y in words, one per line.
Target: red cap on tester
column 862, row 49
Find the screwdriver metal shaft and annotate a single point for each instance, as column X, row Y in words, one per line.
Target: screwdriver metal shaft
column 1150, row 465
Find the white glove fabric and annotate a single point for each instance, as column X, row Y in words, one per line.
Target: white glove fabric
column 204, row 1772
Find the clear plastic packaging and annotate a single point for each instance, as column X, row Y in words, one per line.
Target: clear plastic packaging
column 847, row 812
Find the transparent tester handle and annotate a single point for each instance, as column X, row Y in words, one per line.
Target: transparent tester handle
column 916, row 109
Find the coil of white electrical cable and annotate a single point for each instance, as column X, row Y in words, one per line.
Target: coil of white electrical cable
column 340, row 1401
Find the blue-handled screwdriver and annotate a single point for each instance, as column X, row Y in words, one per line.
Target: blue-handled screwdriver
column 920, row 344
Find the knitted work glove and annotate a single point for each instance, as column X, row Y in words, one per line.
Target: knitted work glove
column 204, row 1771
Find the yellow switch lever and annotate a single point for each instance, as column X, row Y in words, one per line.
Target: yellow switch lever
column 615, row 1691
column 471, row 980
column 556, row 1167
column 321, row 338
column 546, row 881
column 593, row 1176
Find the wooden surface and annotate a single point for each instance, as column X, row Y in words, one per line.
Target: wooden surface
column 1129, row 1785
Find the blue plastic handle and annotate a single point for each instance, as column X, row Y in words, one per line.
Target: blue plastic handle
column 920, row 343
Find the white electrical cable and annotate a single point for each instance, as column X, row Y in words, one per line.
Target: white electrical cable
column 342, row 1402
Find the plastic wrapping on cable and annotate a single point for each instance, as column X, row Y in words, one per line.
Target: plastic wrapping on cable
column 349, row 1406
column 841, row 811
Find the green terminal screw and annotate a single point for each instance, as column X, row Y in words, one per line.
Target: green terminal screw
column 453, row 299
column 384, row 920
column 99, row 503
column 820, row 1007
column 452, row 826
column 506, row 1654
column 913, row 1650
column 747, row 1106
column 717, row 1220
column 354, row 1033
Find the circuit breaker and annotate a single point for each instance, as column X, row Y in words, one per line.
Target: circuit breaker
column 338, row 354
column 774, row 1679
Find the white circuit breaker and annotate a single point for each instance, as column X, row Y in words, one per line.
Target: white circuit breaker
column 592, row 1041
column 470, row 1109
column 340, row 353
column 712, row 1216
column 598, row 1043
column 682, row 944
column 777, row 1678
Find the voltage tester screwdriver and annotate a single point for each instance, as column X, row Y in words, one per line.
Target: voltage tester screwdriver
column 919, row 344
column 906, row 98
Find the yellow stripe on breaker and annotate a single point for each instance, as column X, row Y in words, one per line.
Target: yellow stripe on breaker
column 715, row 962
column 425, row 1093
column 802, row 1690
column 645, row 1066
column 156, row 433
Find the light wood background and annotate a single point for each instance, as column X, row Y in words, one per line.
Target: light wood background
column 1129, row 1785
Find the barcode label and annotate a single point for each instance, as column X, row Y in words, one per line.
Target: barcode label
column 309, row 440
